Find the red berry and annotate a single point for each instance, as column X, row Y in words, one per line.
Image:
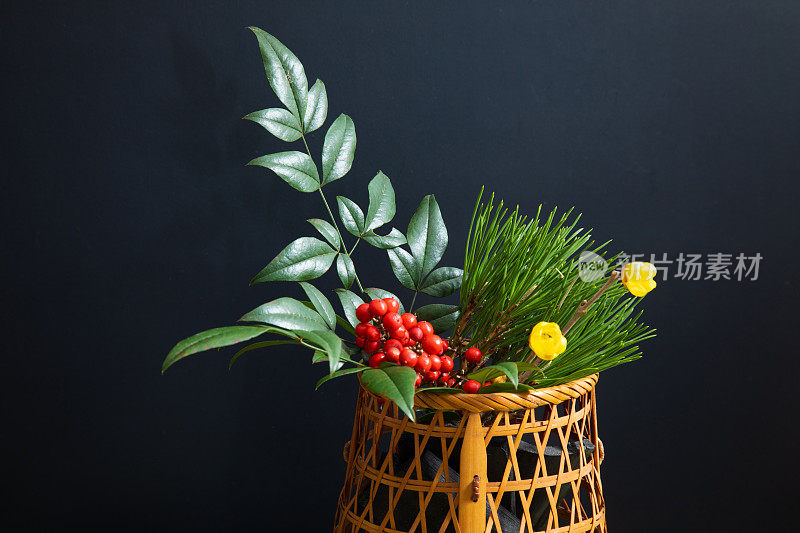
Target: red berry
column 392, row 354
column 363, row 314
column 399, row 333
column 372, row 346
column 423, row 363
column 487, row 384
column 392, row 321
column 431, row 375
column 416, row 334
column 392, row 304
column 471, row 386
column 378, row 307
column 436, row 362
column 472, row 355
column 361, row 330
column 376, row 359
column 409, row 342
column 408, row 358
column 392, row 343
column 426, row 327
column 373, row 334
column 446, row 345
column 418, row 381
column 409, row 320
column 432, row 344
column 360, row 341
column 443, row 377
column 451, row 382
column 447, row 363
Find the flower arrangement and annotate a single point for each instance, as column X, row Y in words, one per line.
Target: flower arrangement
column 525, row 319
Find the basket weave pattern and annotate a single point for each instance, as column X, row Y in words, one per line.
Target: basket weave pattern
column 543, row 472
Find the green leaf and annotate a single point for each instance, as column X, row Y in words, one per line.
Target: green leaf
column 321, row 304
column 427, row 235
column 304, row 259
column 278, row 122
column 349, row 303
column 386, row 242
column 404, row 269
column 316, row 108
column 443, row 281
column 338, row 149
column 258, row 346
column 345, row 325
column 295, row 168
column 381, row 202
column 212, row 338
column 442, row 317
column 378, row 294
column 439, row 390
column 327, row 230
column 286, row 313
column 490, row 372
column 352, row 216
column 395, row 383
column 346, row 270
column 284, row 71
column 328, row 342
column 339, row 373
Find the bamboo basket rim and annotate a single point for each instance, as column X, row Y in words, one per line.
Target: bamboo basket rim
column 505, row 401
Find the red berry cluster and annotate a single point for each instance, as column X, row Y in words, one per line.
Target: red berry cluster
column 389, row 336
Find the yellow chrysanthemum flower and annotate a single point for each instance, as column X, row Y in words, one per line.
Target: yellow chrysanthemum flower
column 546, row 340
column 638, row 277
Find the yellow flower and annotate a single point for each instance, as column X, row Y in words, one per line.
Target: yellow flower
column 638, row 277
column 499, row 379
column 546, row 340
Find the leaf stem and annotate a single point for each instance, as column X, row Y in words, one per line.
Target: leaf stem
column 333, row 219
column 414, row 299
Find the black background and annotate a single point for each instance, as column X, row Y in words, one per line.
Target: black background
column 130, row 222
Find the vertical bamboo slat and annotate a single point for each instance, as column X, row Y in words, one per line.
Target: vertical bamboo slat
column 472, row 502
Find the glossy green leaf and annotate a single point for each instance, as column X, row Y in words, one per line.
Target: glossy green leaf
column 490, row 372
column 340, row 373
column 284, row 72
column 443, row 281
column 395, row 383
column 442, row 317
column 304, row 259
column 286, row 313
column 316, row 108
column 295, row 168
column 381, row 202
column 212, row 338
column 327, row 230
column 338, row 149
column 349, row 302
column 352, row 216
column 404, row 268
column 427, row 235
column 394, row 239
column 328, row 342
column 377, row 294
column 258, row 346
column 346, row 270
column 321, row 304
column 278, row 122
column 345, row 325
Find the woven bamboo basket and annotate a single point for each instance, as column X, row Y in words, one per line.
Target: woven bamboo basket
column 521, row 462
